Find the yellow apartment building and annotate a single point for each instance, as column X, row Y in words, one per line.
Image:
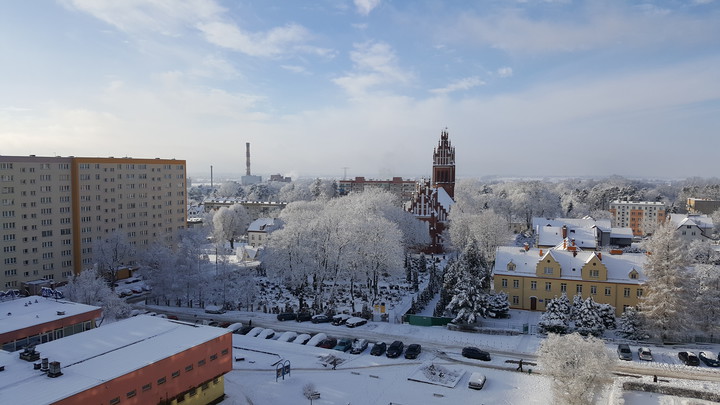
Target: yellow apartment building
column 531, row 277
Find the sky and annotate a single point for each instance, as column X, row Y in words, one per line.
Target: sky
column 335, row 88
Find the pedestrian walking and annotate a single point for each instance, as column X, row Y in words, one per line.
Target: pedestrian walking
column 519, row 367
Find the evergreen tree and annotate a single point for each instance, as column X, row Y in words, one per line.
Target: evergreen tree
column 576, row 305
column 554, row 319
column 631, row 325
column 564, row 303
column 422, row 263
column 498, row 305
column 469, row 302
column 666, row 304
column 607, row 314
column 588, row 320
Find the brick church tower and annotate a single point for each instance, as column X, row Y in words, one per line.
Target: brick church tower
column 443, row 173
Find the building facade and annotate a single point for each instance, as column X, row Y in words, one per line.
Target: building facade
column 53, row 208
column 402, row 188
column 702, row 206
column 641, row 216
column 531, row 277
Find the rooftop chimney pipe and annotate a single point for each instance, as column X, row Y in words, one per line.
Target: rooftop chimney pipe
column 247, row 158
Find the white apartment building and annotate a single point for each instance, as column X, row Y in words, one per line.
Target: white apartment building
column 53, row 208
column 641, row 216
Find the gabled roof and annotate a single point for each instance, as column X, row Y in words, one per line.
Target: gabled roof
column 701, row 221
column 552, row 236
column 261, row 225
column 444, row 199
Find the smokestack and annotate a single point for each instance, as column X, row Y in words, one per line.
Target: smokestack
column 247, row 158
column 211, row 177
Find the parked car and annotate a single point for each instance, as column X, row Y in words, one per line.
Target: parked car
column 287, row 336
column 476, row 381
column 321, row 318
column 287, row 316
column 328, row 343
column 413, row 351
column 340, row 319
column 255, row 331
column 359, row 346
column 355, row 321
column 644, row 353
column 316, row 340
column 173, row 317
column 244, row 330
column 266, row 334
column 475, row 353
column 343, row 345
column 378, row 349
column 624, row 353
column 302, row 339
column 689, row 358
column 395, row 349
column 304, row 317
column 709, row 359
column 214, row 309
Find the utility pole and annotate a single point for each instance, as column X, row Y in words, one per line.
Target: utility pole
column 345, row 172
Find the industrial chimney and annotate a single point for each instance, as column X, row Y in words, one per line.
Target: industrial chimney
column 247, row 158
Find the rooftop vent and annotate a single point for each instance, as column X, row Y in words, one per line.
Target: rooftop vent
column 54, row 370
column 60, row 313
column 30, row 354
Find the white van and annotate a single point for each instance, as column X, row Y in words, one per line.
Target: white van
column 476, row 381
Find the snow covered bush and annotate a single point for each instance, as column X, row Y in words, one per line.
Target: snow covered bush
column 578, row 366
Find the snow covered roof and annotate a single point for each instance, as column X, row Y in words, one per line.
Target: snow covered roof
column 621, row 233
column 618, row 266
column 93, row 357
column 444, row 199
column 22, row 313
column 552, row 236
column 701, row 221
column 260, row 224
column 585, row 222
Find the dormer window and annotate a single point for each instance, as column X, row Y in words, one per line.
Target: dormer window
column 634, row 274
column 511, row 266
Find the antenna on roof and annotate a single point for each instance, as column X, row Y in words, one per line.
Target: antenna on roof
column 345, row 172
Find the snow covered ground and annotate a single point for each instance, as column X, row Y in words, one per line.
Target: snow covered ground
column 366, row 379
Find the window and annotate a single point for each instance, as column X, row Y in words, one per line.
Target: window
column 515, row 300
column 594, row 273
column 548, row 286
column 626, row 292
column 201, row 362
column 131, row 393
column 224, row 352
column 213, row 357
column 516, row 284
column 115, row 401
column 533, row 285
column 504, row 283
column 147, row 387
column 176, row 374
column 563, row 287
column 639, row 292
column 578, row 288
column 161, row 381
column 189, row 368
column 548, row 270
column 593, row 289
column 608, row 291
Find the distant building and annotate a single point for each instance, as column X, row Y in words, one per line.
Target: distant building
column 33, row 320
column 690, row 227
column 258, row 231
column 587, row 232
column 250, row 179
column 432, row 200
column 531, row 277
column 280, row 178
column 55, row 208
column 702, row 206
column 641, row 216
column 256, row 209
column 140, row 360
column 402, row 188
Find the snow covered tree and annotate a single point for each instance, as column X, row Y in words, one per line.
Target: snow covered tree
column 578, row 366
column 229, row 189
column 230, row 223
column 707, row 298
column 631, row 325
column 157, row 266
column 498, row 304
column 588, row 320
column 576, row 305
column 555, row 318
column 666, row 303
column 607, row 314
column 112, row 254
column 90, row 288
column 564, row 304
column 469, row 302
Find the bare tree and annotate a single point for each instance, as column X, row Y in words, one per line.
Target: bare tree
column 579, row 367
column 112, row 254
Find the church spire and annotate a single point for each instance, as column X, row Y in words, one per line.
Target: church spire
column 443, row 174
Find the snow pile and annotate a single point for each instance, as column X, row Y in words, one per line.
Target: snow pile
column 437, row 375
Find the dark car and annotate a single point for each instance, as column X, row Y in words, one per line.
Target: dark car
column 287, row 316
column 304, row 316
column 475, row 353
column 244, row 330
column 355, row 321
column 340, row 319
column 328, row 343
column 413, row 351
column 395, row 349
column 689, row 358
column 709, row 359
column 378, row 349
column 343, row 345
column 322, row 318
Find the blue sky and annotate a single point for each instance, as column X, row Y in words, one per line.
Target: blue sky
column 525, row 88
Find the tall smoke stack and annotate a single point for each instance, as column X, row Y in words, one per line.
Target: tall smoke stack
column 247, row 158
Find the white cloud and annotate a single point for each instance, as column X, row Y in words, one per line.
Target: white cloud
column 505, row 72
column 460, row 85
column 271, row 43
column 294, row 68
column 364, row 7
column 375, row 63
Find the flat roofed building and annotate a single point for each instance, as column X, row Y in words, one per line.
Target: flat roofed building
column 641, row 216
column 140, row 360
column 53, row 209
column 34, row 320
column 403, row 189
column 702, row 205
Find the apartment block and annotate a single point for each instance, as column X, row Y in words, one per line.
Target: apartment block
column 53, row 208
column 402, row 188
column 641, row 216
